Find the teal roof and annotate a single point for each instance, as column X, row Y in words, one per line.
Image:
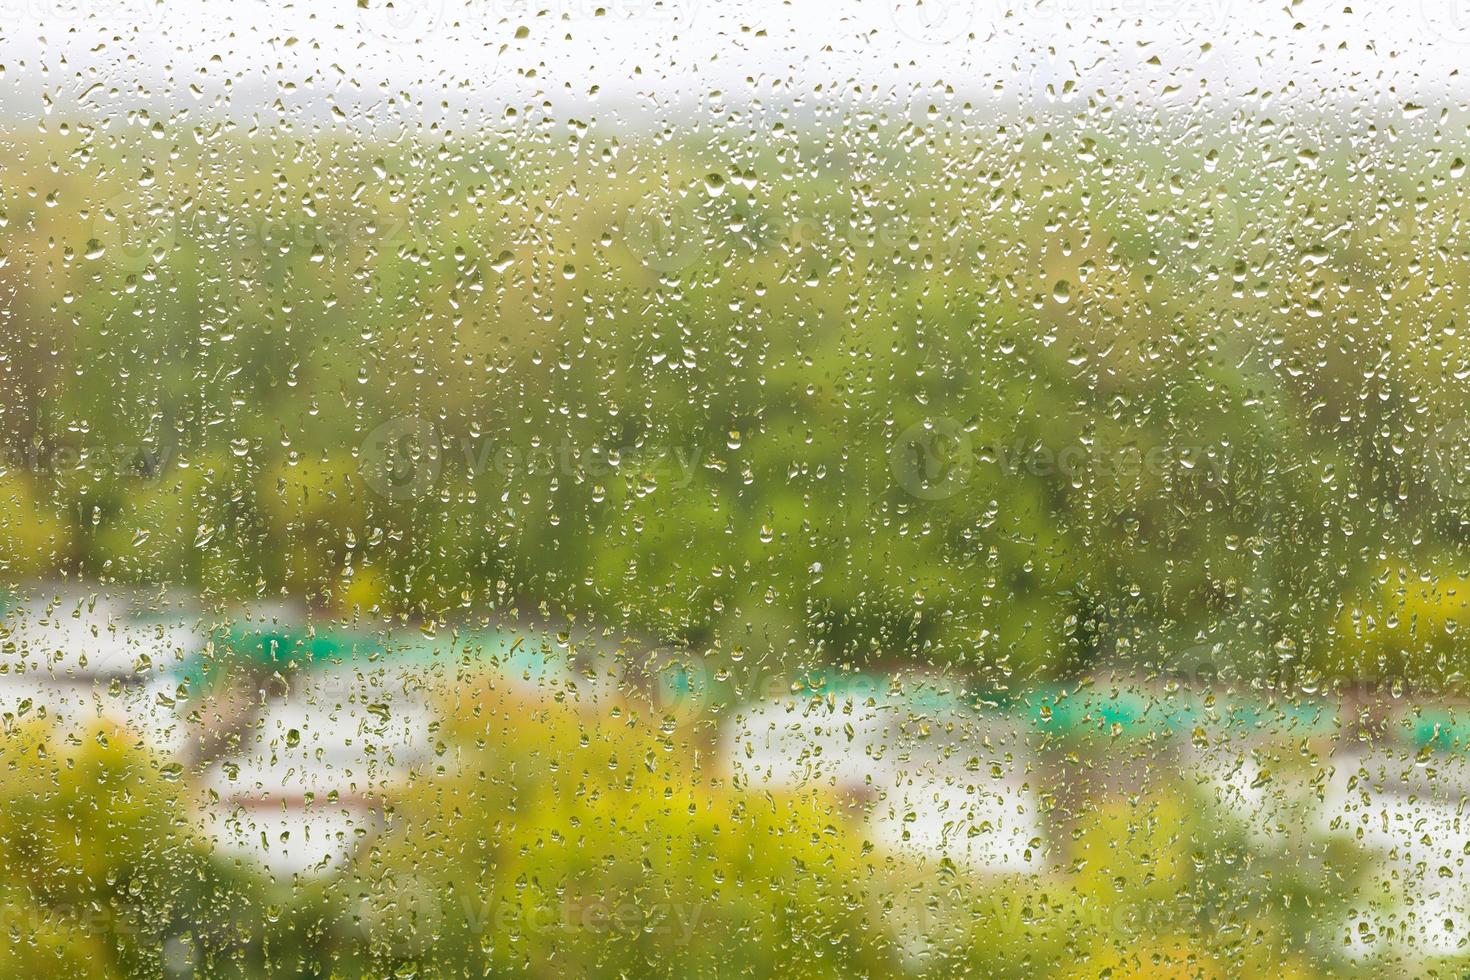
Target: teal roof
column 1439, row 730
column 276, row 647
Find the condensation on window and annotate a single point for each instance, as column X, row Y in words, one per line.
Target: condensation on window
column 625, row 488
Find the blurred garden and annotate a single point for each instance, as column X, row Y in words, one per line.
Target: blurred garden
column 1124, row 464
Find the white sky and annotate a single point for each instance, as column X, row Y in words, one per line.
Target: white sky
column 650, row 57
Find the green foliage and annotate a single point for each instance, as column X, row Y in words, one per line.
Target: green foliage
column 711, row 446
column 595, row 844
column 106, row 877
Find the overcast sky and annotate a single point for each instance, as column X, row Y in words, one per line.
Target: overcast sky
column 653, row 59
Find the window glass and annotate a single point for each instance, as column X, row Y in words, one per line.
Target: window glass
column 634, row 488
